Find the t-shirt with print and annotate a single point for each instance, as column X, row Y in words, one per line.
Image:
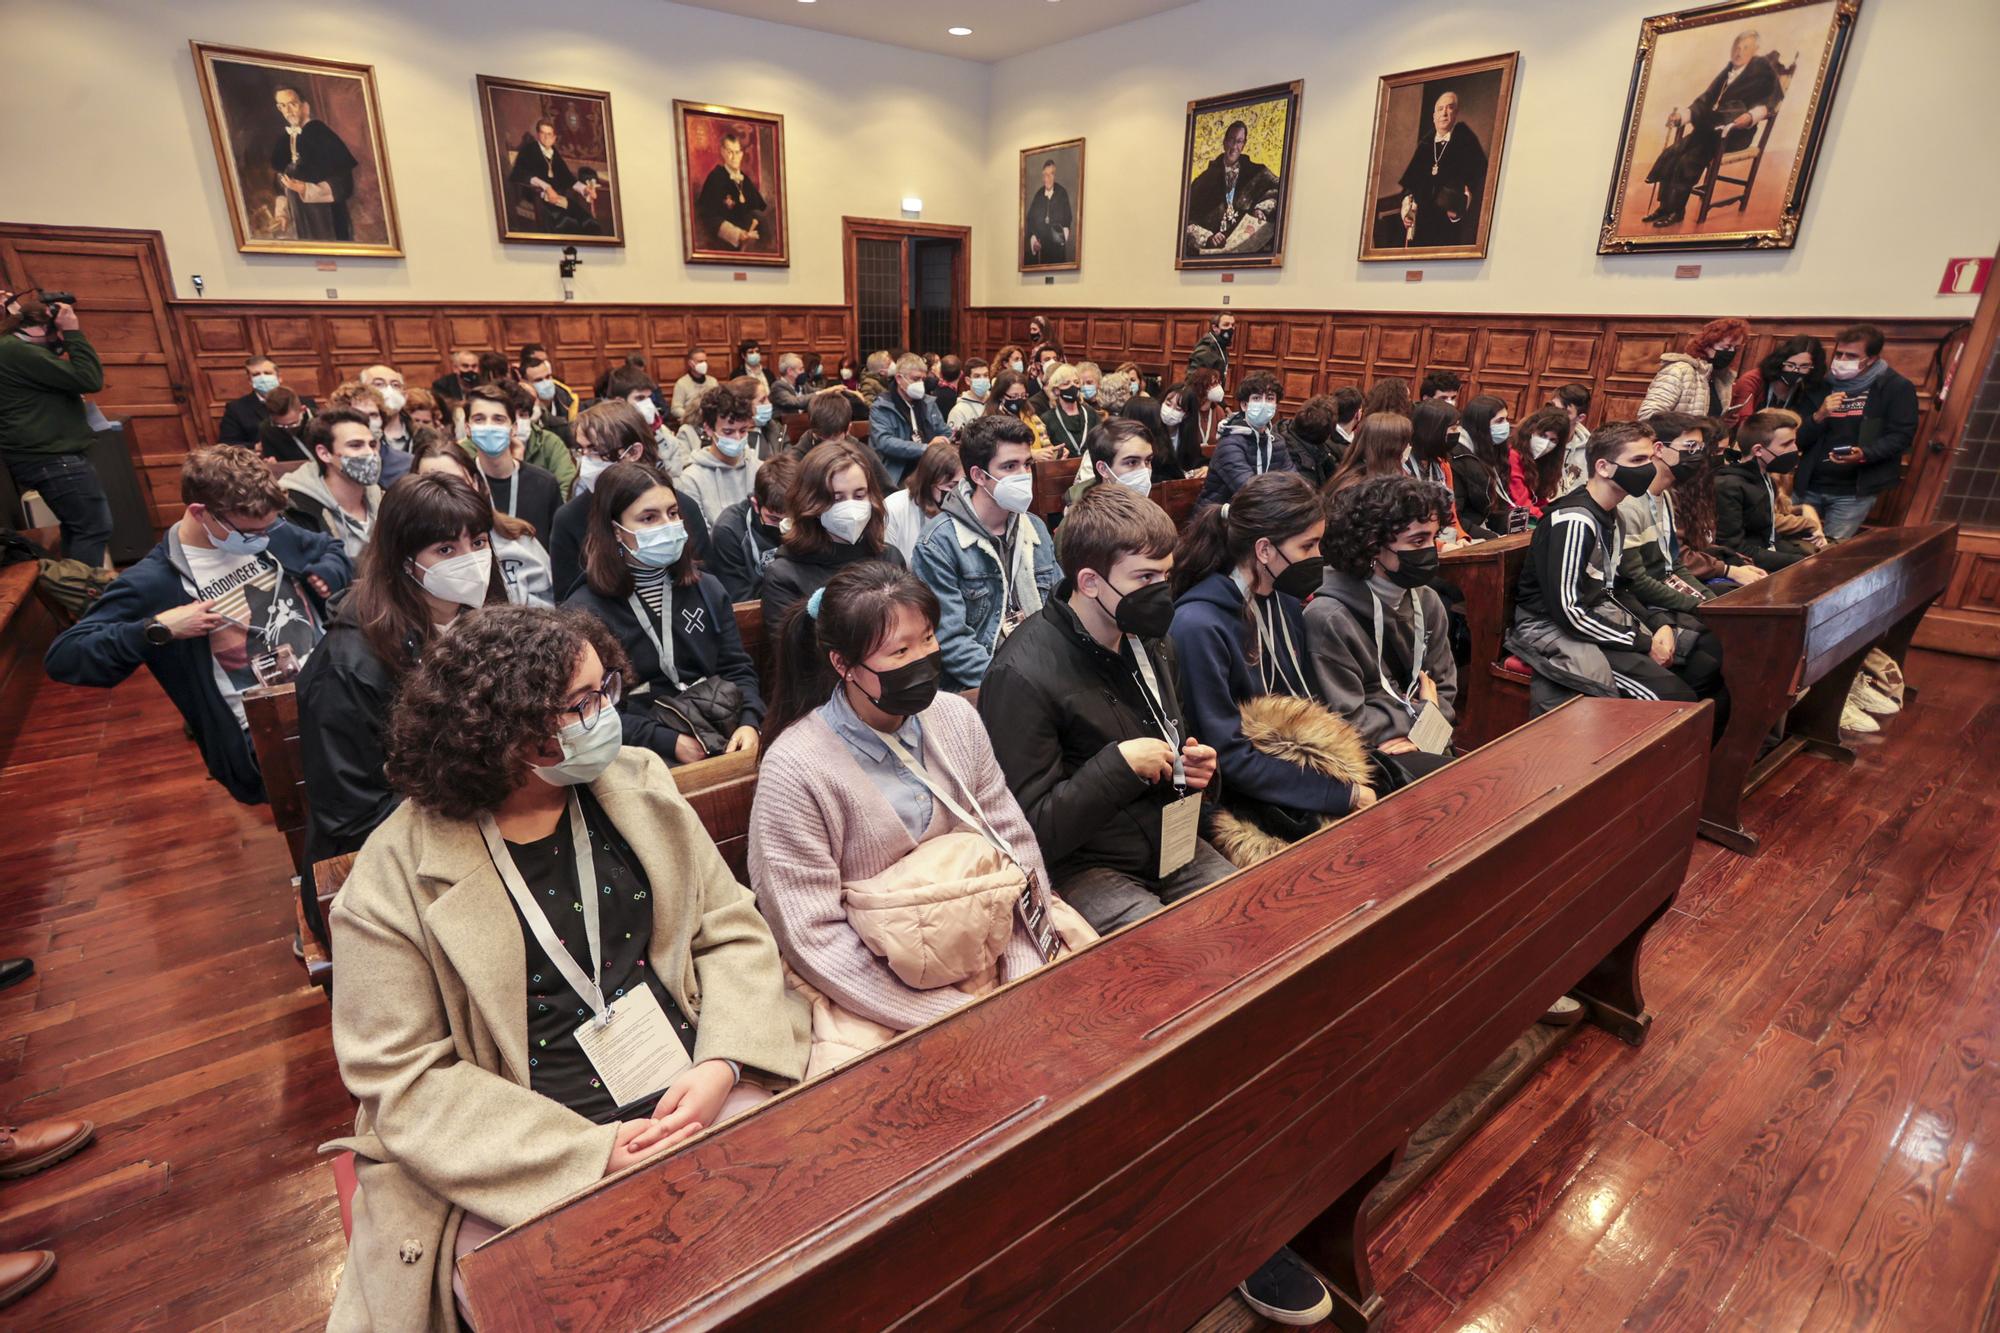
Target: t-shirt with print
column 254, row 591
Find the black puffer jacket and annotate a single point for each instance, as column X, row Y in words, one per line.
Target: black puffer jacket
column 1745, row 521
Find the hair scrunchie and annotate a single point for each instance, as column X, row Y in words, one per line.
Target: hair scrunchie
column 813, row 602
column 1225, row 513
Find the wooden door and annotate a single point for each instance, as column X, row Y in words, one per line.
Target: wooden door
column 121, row 282
column 870, row 247
column 1961, row 484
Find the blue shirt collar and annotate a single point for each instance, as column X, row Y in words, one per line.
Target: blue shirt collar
column 840, row 715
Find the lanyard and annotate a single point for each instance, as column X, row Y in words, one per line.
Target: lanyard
column 1416, row 653
column 1149, row 686
column 1267, row 659
column 1260, row 453
column 513, row 491
column 663, row 638
column 1032, row 912
column 588, row 986
column 1202, row 421
column 1771, row 498
column 1075, row 442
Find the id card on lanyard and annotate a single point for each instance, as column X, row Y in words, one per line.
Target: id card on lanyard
column 662, row 639
column 1180, row 818
column 628, row 1040
column 1429, row 731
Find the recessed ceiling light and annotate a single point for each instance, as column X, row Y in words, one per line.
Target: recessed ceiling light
column 959, row 32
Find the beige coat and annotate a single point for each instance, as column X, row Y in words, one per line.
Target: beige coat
column 430, row 1025
column 1681, row 385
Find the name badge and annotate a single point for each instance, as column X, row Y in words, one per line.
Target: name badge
column 1180, row 828
column 635, row 1049
column 1430, row 732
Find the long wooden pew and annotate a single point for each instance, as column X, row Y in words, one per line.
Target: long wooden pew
column 1053, row 478
column 1810, row 626
column 1177, row 497
column 1117, row 1140
column 1492, row 696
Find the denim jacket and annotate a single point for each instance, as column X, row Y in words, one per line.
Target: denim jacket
column 960, row 561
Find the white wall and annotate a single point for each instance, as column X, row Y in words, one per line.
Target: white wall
column 115, row 135
column 1905, row 181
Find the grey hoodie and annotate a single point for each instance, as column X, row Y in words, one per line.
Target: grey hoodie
column 715, row 484
column 314, row 508
column 1346, row 672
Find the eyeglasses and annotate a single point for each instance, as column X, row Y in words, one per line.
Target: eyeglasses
column 594, row 703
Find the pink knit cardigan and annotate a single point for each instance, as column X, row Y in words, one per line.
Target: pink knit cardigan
column 818, row 822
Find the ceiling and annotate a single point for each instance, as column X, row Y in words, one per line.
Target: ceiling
column 1000, row 28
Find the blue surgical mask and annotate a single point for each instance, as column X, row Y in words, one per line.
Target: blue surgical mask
column 491, row 439
column 980, row 385
column 1259, row 411
column 658, row 547
column 263, row 383
column 545, row 390
column 1089, row 391
column 232, row 542
column 732, row 446
column 763, row 414
column 1500, row 430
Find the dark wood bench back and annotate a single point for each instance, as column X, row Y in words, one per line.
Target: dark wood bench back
column 1492, row 699
column 1053, row 478
column 1118, row 1139
column 750, row 627
column 1177, row 497
column 273, row 713
column 27, row 628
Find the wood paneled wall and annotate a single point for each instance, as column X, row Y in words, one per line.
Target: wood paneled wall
column 1520, row 358
column 318, row 345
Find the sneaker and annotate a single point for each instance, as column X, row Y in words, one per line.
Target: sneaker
column 1285, row 1291
column 1870, row 699
column 1853, row 719
column 1563, row 1012
column 1883, row 667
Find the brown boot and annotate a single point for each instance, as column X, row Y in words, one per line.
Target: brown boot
column 21, row 1271
column 28, row 1148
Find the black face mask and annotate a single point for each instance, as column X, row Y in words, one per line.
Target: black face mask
column 1069, row 395
column 1636, row 479
column 910, row 688
column 1783, row 463
column 1687, row 469
column 1301, row 578
column 1225, row 336
column 1791, row 376
column 1144, row 613
column 469, row 378
column 1414, row 569
column 1721, row 357
column 1012, row 406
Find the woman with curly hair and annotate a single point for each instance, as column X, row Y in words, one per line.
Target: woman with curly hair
column 538, row 881
column 1388, row 395
column 1535, row 460
column 1204, row 399
column 1697, row 381
column 1375, row 636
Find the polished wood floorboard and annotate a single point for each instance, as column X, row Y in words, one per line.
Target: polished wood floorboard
column 1810, row 1138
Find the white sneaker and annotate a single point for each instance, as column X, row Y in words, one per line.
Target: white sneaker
column 1853, row 719
column 1870, row 699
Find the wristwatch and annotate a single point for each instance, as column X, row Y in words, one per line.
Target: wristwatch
column 158, row 634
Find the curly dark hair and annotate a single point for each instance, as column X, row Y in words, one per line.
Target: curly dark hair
column 1258, row 382
column 483, row 699
column 1363, row 519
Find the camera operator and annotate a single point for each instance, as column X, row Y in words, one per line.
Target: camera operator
column 46, row 366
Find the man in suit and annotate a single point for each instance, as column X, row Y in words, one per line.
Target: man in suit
column 1445, row 181
column 545, row 195
column 1233, row 204
column 243, row 418
column 1724, row 118
column 315, row 173
column 1051, row 224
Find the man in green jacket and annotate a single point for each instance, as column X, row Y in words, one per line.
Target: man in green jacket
column 46, row 366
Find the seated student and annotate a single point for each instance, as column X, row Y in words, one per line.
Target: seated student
column 1068, row 419
column 526, row 571
column 911, row 506
column 791, row 386
column 338, row 492
column 1440, row 386
column 1180, row 438
column 987, row 558
column 559, row 401
column 767, row 433
column 971, row 402
column 838, row 519
column 425, row 411
column 1746, row 502
column 1010, row 399
column 1082, row 705
column 1375, row 636
column 1310, row 441
column 949, row 382
column 430, row 560
column 690, row 386
column 387, row 382
column 1204, row 399
column 692, row 690
column 901, row 423
column 463, row 1021
column 608, row 432
column 1245, row 445
column 1651, row 569
column 827, row 419
column 1573, row 401
column 243, row 418
column 541, row 446
column 518, row 487
column 1379, row 447
column 1478, row 464
column 719, row 462
column 1149, row 414
column 364, row 398
column 1347, row 419
column 1118, row 390
column 228, row 585
column 1120, row 450
column 1570, row 626
column 878, row 376
column 750, row 532
column 1387, row 395
column 1239, row 574
column 1433, row 434
column 281, row 437
column 640, row 391
column 877, row 788
column 1534, row 462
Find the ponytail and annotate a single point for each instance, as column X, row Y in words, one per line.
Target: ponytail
column 1273, row 506
column 851, row 616
column 1203, row 549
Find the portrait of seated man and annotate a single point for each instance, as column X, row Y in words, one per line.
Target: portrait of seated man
column 1723, row 118
column 545, row 193
column 1233, row 203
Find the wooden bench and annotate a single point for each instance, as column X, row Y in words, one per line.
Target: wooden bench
column 27, row 628
column 273, row 714
column 1492, row 697
column 796, row 424
column 1053, row 478
column 750, row 628
column 1810, row 625
column 1117, row 1140
column 1177, row 497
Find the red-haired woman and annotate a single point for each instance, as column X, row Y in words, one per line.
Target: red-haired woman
column 1697, row 380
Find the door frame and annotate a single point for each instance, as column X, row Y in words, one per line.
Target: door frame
column 888, row 229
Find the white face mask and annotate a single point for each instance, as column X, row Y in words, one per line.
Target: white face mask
column 1215, row 393
column 913, row 390
column 700, row 369
column 461, row 578
column 588, row 470
column 522, row 425
column 1171, row 416
column 846, row 520
column 648, row 409
column 1139, row 481
column 393, row 400
column 1015, row 492
column 1540, row 445
column 587, row 751
column 1015, row 365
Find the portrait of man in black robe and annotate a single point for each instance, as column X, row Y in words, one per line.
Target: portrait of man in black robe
column 1233, row 203
column 1050, row 225
column 1722, row 119
column 1445, row 181
column 315, row 170
column 730, row 208
column 545, row 194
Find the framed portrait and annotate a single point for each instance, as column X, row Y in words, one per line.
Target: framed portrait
column 732, row 185
column 1723, row 125
column 299, row 143
column 1434, row 168
column 1236, row 178
column 550, row 156
column 1052, row 207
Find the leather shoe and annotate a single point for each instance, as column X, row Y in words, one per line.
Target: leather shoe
column 21, row 1271
column 15, row 969
column 26, row 1149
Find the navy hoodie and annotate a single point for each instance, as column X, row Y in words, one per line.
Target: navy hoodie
column 109, row 643
column 1212, row 640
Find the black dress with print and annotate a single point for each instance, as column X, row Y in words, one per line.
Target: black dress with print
column 557, row 1066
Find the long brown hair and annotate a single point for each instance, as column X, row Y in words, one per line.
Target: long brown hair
column 1387, row 395
column 387, row 601
column 1544, row 474
column 1377, row 451
column 1273, row 507
column 430, row 442
column 812, row 495
column 856, row 609
column 939, row 460
column 607, row 566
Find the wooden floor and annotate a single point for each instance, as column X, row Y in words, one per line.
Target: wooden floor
column 1810, row 1138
